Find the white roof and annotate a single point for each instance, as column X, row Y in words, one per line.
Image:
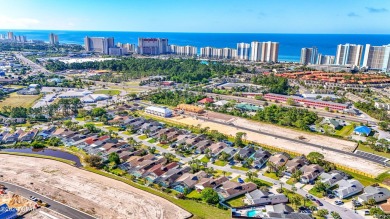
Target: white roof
column 159, row 109
column 75, row 93
column 221, row 102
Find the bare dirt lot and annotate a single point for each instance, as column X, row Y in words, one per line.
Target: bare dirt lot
column 97, row 195
column 302, row 148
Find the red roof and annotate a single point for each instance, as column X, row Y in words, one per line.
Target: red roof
column 104, row 137
column 90, row 140
column 206, row 100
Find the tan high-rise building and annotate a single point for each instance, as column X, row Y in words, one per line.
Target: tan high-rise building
column 99, row 44
column 377, row 57
column 183, row 50
column 53, row 39
column 152, row 46
column 349, row 54
column 264, row 51
column 11, row 35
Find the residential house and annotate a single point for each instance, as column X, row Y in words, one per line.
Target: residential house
column 278, row 160
column 136, row 123
column 156, row 171
column 311, row 172
column 58, row 132
column 169, row 177
column 260, row 158
column 188, row 181
column 258, row 197
column 385, row 207
column 202, row 146
column 120, row 120
column 229, row 189
column 348, row 188
column 145, row 165
column 28, row 135
column 334, row 124
column 295, row 164
column 246, row 152
column 378, row 193
column 216, row 148
column 331, row 179
column 231, row 151
column 2, row 135
column 210, row 183
column 12, row 137
column 44, row 134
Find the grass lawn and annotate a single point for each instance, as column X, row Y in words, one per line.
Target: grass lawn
column 200, row 210
column 271, row 175
column 367, row 149
column 220, row 163
column 315, row 193
column 79, row 119
column 143, row 137
column 345, row 131
column 15, row 100
column 240, row 168
column 290, row 194
column 205, row 159
column 259, row 182
column 152, row 140
column 366, row 181
column 118, row 172
column 291, row 181
column 218, row 173
column 237, row 201
column 108, row 92
column 194, row 194
column 115, row 129
column 163, row 145
column 39, row 156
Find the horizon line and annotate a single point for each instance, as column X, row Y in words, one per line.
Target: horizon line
column 126, row 31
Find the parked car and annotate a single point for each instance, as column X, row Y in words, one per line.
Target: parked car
column 366, row 212
column 240, row 180
column 33, row 199
column 331, row 196
column 338, row 202
column 319, row 203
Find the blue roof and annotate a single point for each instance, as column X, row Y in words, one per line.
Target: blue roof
column 6, row 212
column 362, row 129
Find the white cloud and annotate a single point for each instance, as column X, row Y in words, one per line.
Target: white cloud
column 12, row 23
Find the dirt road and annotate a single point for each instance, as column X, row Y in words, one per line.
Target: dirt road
column 94, row 194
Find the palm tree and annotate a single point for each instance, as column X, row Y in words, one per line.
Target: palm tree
column 281, row 185
column 224, row 172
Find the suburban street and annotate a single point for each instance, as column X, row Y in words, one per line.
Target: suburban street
column 344, row 212
column 54, row 205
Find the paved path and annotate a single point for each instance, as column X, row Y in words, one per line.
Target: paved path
column 54, row 205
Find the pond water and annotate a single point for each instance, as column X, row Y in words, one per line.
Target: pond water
column 47, row 152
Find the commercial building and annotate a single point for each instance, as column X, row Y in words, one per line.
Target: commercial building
column 243, row 50
column 306, row 102
column 377, row 57
column 98, row 44
column 325, row 59
column 349, row 54
column 309, row 56
column 53, row 39
column 10, row 35
column 159, row 111
column 183, row 50
column 152, row 46
column 264, row 51
column 8, row 213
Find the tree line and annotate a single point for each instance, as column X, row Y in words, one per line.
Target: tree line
column 174, row 98
column 178, row 70
column 275, row 84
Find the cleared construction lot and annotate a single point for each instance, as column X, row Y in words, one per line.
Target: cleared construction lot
column 292, row 145
column 97, row 195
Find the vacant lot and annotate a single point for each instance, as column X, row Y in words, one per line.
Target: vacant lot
column 345, row 131
column 15, row 100
column 97, row 195
column 108, row 92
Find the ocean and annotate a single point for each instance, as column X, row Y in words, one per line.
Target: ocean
column 289, row 44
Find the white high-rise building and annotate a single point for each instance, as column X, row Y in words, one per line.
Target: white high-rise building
column 309, row 56
column 98, row 44
column 183, row 50
column 243, row 51
column 349, row 54
column 264, row 51
column 325, row 59
column 377, row 57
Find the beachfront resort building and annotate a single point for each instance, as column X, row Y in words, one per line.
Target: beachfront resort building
column 243, row 51
column 152, row 46
column 309, row 56
column 264, row 51
column 349, row 54
column 377, row 57
column 99, row 44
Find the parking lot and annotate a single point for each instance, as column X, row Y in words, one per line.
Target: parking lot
column 372, row 156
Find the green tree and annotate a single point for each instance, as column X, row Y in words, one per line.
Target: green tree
column 322, row 213
column 94, row 161
column 114, row 157
column 98, row 112
column 210, row 196
column 238, row 139
column 315, row 157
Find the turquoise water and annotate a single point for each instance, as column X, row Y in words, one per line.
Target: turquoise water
column 252, row 213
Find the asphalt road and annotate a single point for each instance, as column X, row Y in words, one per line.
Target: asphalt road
column 300, row 142
column 54, row 205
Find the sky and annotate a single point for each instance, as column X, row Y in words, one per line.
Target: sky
column 220, row 16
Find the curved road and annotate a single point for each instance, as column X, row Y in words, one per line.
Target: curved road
column 54, row 205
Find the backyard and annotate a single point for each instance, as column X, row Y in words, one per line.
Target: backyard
column 345, row 131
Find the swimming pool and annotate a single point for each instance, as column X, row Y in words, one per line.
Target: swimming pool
column 252, row 213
